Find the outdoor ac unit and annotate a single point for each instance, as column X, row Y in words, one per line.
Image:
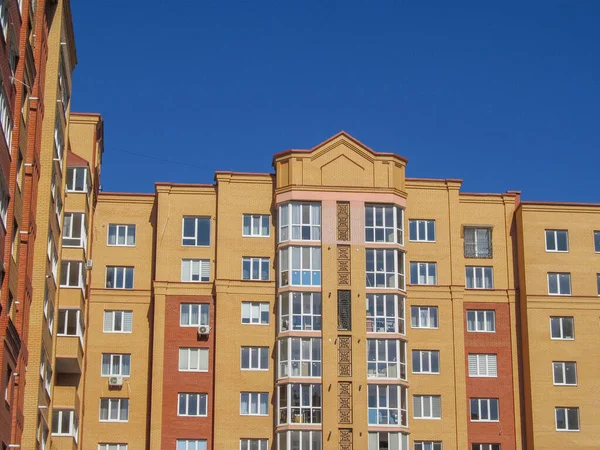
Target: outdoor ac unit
column 115, row 381
column 203, row 330
column 89, row 264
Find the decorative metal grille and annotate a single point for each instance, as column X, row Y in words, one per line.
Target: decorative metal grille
column 343, row 221
column 345, row 438
column 345, row 402
column 344, row 310
column 343, row 261
column 345, row 356
column 478, row 242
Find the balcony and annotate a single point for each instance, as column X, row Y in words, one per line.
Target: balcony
column 64, row 443
column 69, row 354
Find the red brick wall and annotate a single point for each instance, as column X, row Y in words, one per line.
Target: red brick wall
column 502, row 432
column 174, row 382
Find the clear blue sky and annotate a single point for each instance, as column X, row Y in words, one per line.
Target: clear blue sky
column 505, row 95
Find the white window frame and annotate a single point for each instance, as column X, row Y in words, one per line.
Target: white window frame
column 191, row 444
column 304, row 413
column 126, row 272
column 68, row 229
column 483, row 365
column 256, row 398
column 300, row 260
column 565, row 410
column 250, row 444
column 481, row 401
column 186, row 397
column 430, row 317
column 562, row 330
column 5, row 112
column 113, row 447
column 428, row 445
column 552, row 236
column 59, row 142
column 374, row 227
column 71, row 183
column 251, row 309
column 195, row 237
column 195, row 270
column 426, row 231
column 73, row 422
column 425, row 273
column 193, row 356
column 478, row 249
column 202, row 314
column 307, row 316
column 476, row 315
column 596, row 241
column 398, row 413
column 252, row 261
column 395, row 440
column 251, row 220
column 119, row 359
column 562, row 366
column 558, row 276
column 109, row 402
column 485, row 447
column 380, row 318
column 381, row 363
column 4, row 200
column 129, row 231
column 113, row 314
column 257, row 358
column 299, row 357
column 426, row 360
column 288, row 222
column 478, row 277
column 393, row 277
column 67, row 267
column 427, row 402
column 79, row 322
column 46, row 373
column 286, row 438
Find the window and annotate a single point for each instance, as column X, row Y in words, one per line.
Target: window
column 74, row 230
column 256, row 225
column 567, row 419
column 112, row 447
column 114, row 410
column 386, row 358
column 191, row 444
column 299, row 404
column 72, row 274
column 344, row 310
column 424, row 317
column 385, row 313
column 5, row 113
column 119, row 277
column 64, row 422
column 481, row 321
column 384, row 223
column 255, row 313
column 387, row 405
column 193, row 360
column 70, row 322
column 304, row 220
column 20, row 170
column 42, row 433
column 196, row 231
column 597, row 241
column 484, row 410
column 299, row 357
column 63, row 85
column 479, row 277
column 598, row 282
column 4, row 18
column 255, row 358
column 478, row 242
column 304, row 309
column 45, row 373
column 114, row 364
column 192, row 405
column 483, row 365
column 14, row 246
column 385, row 268
column 428, row 445
column 423, row 273
column 421, row 230
column 256, row 269
column 559, row 283
column 562, row 328
column 254, row 404
column 194, row 314
column 194, row 270
column 426, row 361
column 427, row 406
column 121, row 235
column 77, row 179
column 565, row 373
column 118, row 321
column 300, row 266
column 58, row 142
column 485, row 447
column 48, row 310
column 384, row 440
column 4, row 199
column 254, row 444
column 557, row 241
column 305, row 440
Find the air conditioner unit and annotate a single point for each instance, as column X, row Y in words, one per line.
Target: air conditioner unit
column 89, row 264
column 115, row 381
column 203, row 330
